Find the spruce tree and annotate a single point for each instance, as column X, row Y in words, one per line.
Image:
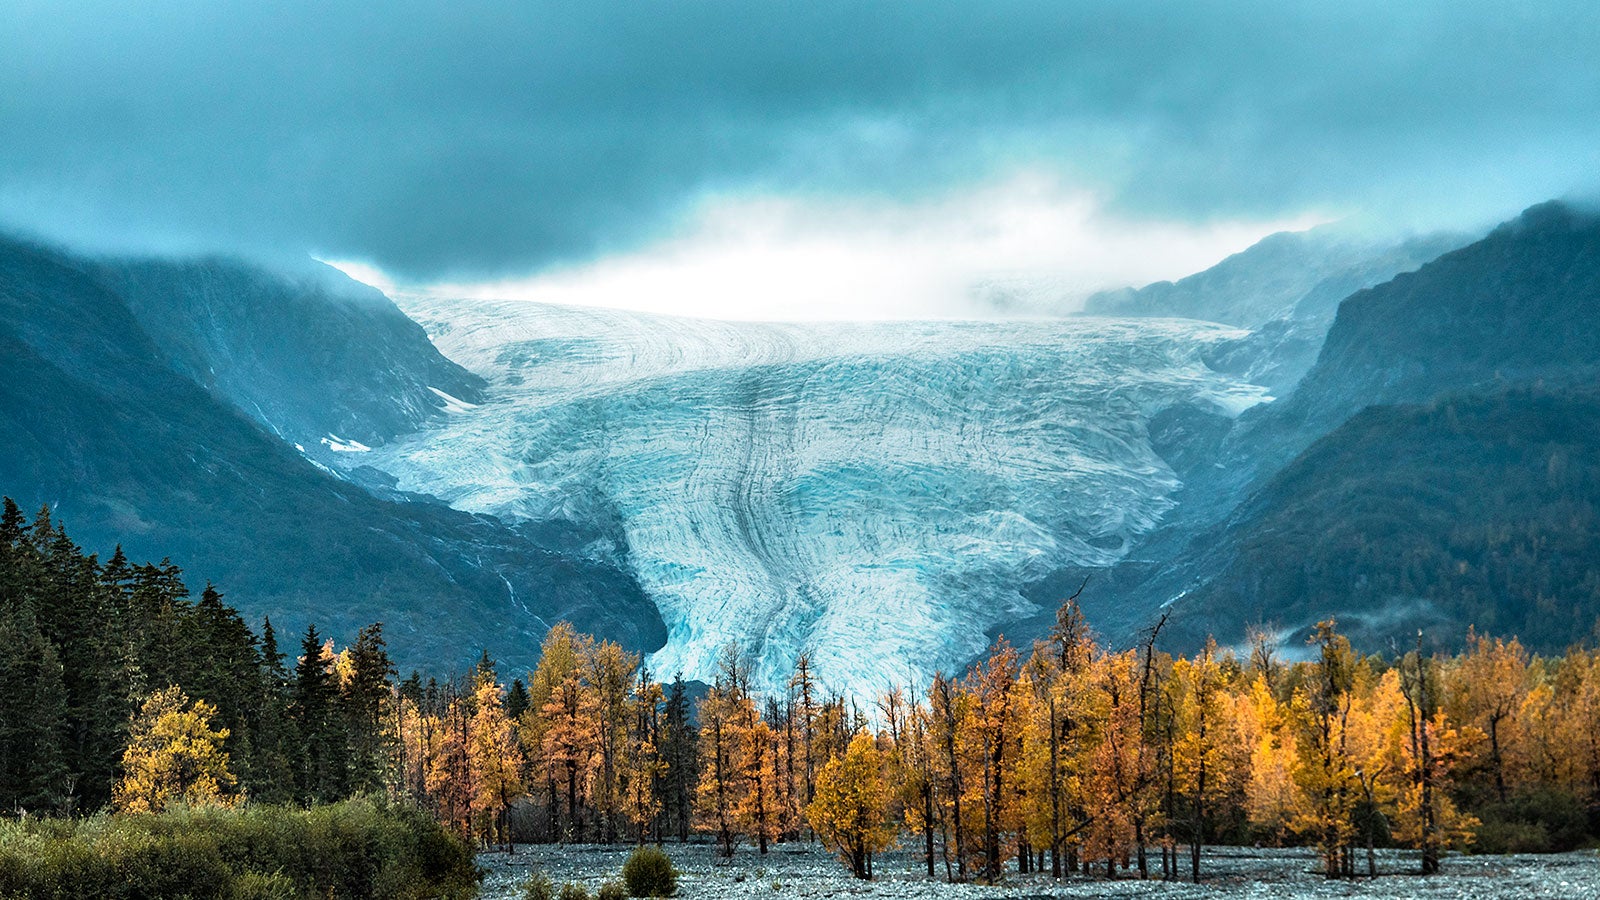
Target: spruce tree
column 33, row 719
column 271, row 778
column 320, row 771
column 366, row 704
column 680, row 751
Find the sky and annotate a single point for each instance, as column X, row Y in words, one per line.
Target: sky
column 816, row 159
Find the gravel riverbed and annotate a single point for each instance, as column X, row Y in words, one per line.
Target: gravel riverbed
column 803, row 870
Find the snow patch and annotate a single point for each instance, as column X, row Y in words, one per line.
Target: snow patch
column 453, row 404
column 340, row 445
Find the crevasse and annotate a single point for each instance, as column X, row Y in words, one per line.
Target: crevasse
column 871, row 494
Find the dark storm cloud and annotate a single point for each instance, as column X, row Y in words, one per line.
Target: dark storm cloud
column 477, row 138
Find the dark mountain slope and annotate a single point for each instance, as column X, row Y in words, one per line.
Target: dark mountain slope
column 312, row 356
column 1521, row 304
column 1519, row 308
column 96, row 420
column 1476, row 511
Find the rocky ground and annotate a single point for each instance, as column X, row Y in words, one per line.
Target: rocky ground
column 802, row 870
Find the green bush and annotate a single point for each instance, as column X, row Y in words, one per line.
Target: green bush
column 612, row 890
column 538, row 887
column 357, row 848
column 573, row 891
column 1537, row 821
column 649, row 873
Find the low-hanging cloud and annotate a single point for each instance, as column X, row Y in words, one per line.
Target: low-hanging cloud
column 478, row 140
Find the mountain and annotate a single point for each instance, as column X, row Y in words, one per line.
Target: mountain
column 100, row 422
column 1480, row 510
column 1283, row 275
column 1285, row 288
column 1520, row 305
column 1437, row 448
column 874, row 495
column 322, row 361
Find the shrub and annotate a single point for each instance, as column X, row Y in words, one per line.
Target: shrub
column 357, row 848
column 1536, row 821
column 612, row 890
column 649, row 873
column 573, row 891
column 538, row 887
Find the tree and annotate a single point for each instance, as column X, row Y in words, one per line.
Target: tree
column 1428, row 818
column 1201, row 754
column 680, row 756
column 365, row 697
column 1324, row 772
column 321, row 770
column 850, row 810
column 33, row 718
column 174, row 755
column 495, row 759
column 994, row 729
column 1493, row 683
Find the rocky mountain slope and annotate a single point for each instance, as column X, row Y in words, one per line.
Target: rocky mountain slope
column 101, row 422
column 322, row 361
column 1441, row 440
column 1285, row 288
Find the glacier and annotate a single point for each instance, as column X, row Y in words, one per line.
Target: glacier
column 874, row 495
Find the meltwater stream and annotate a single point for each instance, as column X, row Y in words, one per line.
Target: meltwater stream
column 874, row 495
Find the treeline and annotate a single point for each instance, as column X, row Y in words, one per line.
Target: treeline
column 1075, row 758
column 101, row 663
column 1080, row 758
column 1069, row 758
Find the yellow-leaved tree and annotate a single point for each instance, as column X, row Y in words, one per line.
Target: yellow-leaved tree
column 174, row 756
column 495, row 761
column 850, row 812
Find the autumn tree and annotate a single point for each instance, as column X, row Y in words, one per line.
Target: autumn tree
column 1491, row 685
column 1323, row 771
column 643, row 770
column 1428, row 818
column 1205, row 750
column 720, row 786
column 995, row 725
column 949, row 712
column 174, row 755
column 495, row 760
column 850, row 810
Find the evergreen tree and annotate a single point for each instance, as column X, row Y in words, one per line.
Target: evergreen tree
column 366, row 697
column 680, row 755
column 516, row 699
column 321, row 769
column 33, row 719
column 272, row 775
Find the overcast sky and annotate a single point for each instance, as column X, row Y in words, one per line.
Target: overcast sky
column 767, row 158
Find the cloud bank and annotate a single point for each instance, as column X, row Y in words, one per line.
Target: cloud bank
column 477, row 140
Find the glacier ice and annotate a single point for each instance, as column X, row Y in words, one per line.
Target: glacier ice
column 871, row 494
